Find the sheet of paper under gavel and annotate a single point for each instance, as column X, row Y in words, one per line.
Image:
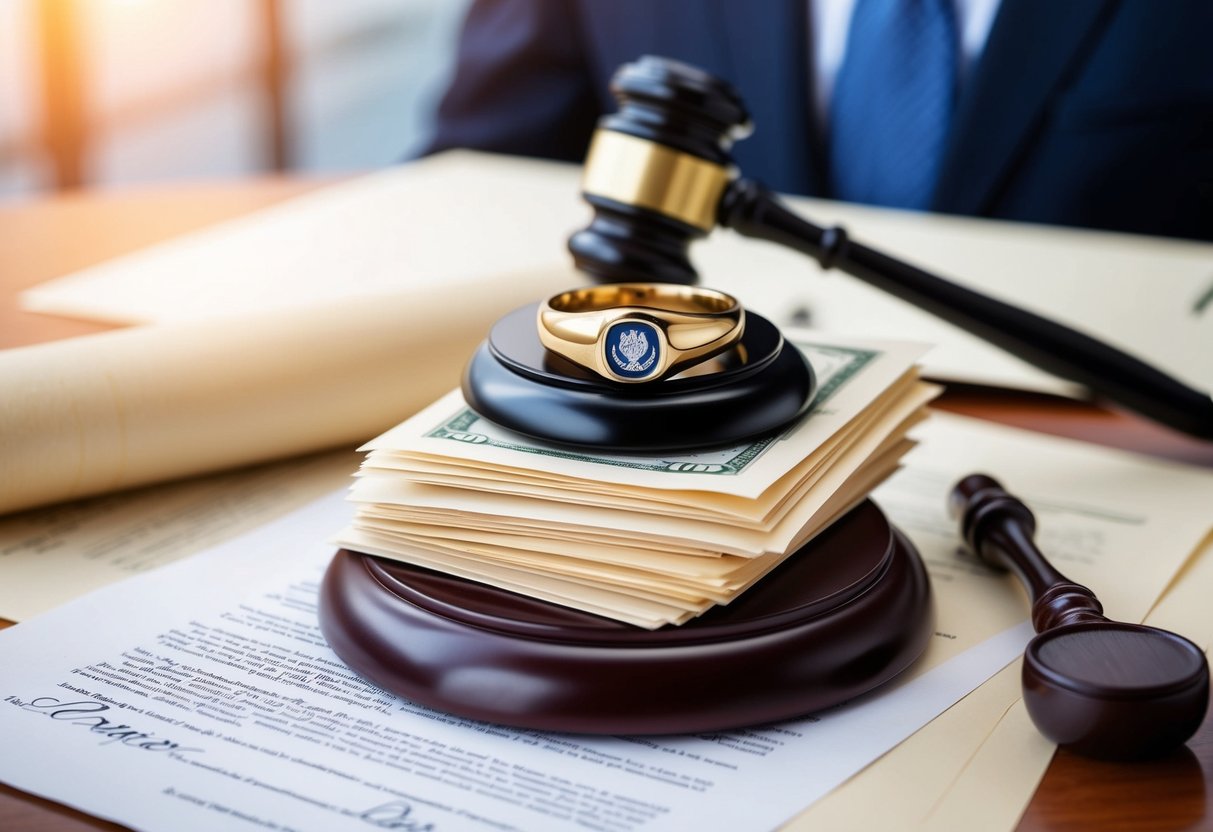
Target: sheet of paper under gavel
column 1098, row 687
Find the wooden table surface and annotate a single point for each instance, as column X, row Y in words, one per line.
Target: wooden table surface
column 46, row 237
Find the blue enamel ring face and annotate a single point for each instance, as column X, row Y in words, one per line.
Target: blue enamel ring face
column 632, row 350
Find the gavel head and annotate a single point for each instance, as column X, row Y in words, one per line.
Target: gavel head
column 656, row 171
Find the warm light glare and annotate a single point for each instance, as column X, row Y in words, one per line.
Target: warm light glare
column 94, row 92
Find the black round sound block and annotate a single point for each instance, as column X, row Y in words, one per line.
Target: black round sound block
column 761, row 385
column 844, row 614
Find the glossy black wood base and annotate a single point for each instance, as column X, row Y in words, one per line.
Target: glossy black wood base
column 518, row 384
column 846, row 613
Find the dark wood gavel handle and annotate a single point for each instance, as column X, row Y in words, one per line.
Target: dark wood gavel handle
column 752, row 210
column 999, row 529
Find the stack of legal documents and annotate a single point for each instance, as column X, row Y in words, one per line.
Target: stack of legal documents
column 650, row 539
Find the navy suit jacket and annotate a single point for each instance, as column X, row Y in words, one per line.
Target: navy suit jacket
column 1092, row 113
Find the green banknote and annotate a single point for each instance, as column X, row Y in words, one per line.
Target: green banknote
column 834, row 366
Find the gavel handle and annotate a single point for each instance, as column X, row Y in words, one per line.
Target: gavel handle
column 1001, row 530
column 753, row 211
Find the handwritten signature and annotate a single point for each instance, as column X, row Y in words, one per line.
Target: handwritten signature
column 396, row 815
column 88, row 713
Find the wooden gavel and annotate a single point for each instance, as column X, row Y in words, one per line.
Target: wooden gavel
column 1098, row 687
column 659, row 175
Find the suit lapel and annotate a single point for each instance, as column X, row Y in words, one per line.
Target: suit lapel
column 765, row 55
column 1033, row 47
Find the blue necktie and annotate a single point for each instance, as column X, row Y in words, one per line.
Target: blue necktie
column 893, row 101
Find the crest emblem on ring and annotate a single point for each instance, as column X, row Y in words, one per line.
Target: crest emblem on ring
column 633, row 345
column 632, row 348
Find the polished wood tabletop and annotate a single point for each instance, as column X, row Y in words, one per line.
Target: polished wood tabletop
column 43, row 238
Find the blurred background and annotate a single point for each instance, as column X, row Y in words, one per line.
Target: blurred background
column 108, row 92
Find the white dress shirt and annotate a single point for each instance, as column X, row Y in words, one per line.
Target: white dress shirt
column 830, row 20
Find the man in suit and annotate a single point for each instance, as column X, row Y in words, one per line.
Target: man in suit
column 1094, row 113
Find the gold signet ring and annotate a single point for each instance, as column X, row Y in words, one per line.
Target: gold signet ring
column 635, row 332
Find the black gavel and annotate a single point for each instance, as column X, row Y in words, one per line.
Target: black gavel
column 1100, row 688
column 659, row 176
